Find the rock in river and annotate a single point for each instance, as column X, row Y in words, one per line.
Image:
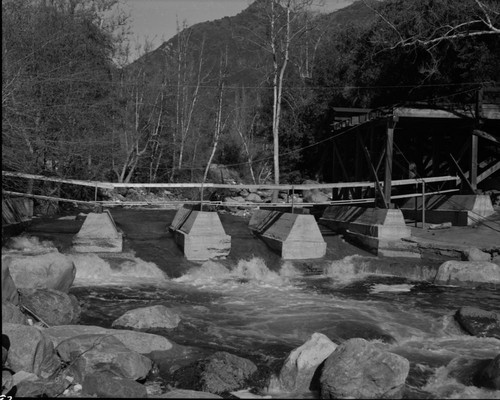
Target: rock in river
column 301, row 364
column 468, row 273
column 479, row 322
column 358, row 369
column 147, row 318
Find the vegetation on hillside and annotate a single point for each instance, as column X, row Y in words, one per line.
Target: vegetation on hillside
column 71, row 108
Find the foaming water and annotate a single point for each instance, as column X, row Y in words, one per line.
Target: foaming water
column 91, row 269
column 29, row 245
column 252, row 271
column 446, row 387
column 346, row 270
column 404, row 287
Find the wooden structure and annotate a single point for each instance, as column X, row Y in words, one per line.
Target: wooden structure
column 416, row 141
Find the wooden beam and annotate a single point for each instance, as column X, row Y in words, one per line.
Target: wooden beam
column 473, row 161
column 486, row 135
column 374, row 173
column 341, row 163
column 494, row 168
column 359, row 159
column 462, row 175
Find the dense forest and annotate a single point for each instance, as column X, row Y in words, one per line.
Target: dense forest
column 254, row 91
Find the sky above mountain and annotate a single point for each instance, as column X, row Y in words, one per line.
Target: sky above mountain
column 156, row 20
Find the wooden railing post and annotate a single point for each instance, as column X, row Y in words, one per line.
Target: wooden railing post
column 423, row 204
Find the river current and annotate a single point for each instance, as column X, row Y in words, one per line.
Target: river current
column 258, row 306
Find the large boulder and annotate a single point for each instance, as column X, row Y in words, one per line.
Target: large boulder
column 219, row 373
column 50, row 388
column 53, row 307
column 468, row 273
column 476, row 372
column 141, row 342
column 301, row 364
column 314, row 195
column 30, row 350
column 479, row 322
column 9, row 289
column 254, row 198
column 97, row 353
column 148, row 318
column 105, row 384
column 12, row 314
column 358, row 369
column 489, row 377
column 44, row 271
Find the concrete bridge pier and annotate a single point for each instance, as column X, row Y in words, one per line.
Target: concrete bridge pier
column 293, row 236
column 98, row 234
column 200, row 234
column 379, row 230
column 459, row 209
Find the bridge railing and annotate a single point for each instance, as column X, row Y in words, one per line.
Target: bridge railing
column 285, row 187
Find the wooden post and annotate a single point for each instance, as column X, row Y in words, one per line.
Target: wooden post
column 423, row 204
column 358, row 162
column 201, row 197
column 416, row 205
column 293, row 195
column 473, row 162
column 391, row 123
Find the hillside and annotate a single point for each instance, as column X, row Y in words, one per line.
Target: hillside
column 248, row 62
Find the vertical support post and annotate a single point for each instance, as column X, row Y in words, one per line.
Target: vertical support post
column 293, row 195
column 358, row 162
column 391, row 123
column 416, row 205
column 201, row 197
column 435, row 153
column 473, row 162
column 334, row 191
column 423, row 204
column 95, row 193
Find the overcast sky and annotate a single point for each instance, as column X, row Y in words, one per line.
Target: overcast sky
column 156, row 19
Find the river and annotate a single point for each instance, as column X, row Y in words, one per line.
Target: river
column 258, row 306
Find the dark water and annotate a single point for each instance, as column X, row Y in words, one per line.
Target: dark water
column 258, row 306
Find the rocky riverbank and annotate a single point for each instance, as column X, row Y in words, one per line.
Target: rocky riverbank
column 46, row 352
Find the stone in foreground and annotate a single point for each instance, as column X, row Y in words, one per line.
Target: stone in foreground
column 358, row 369
column 293, row 236
column 218, row 373
column 98, row 234
column 299, row 368
column 200, row 234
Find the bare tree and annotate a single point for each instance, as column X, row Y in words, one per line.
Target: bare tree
column 219, row 126
column 189, row 78
column 140, row 125
column 286, row 25
column 478, row 18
